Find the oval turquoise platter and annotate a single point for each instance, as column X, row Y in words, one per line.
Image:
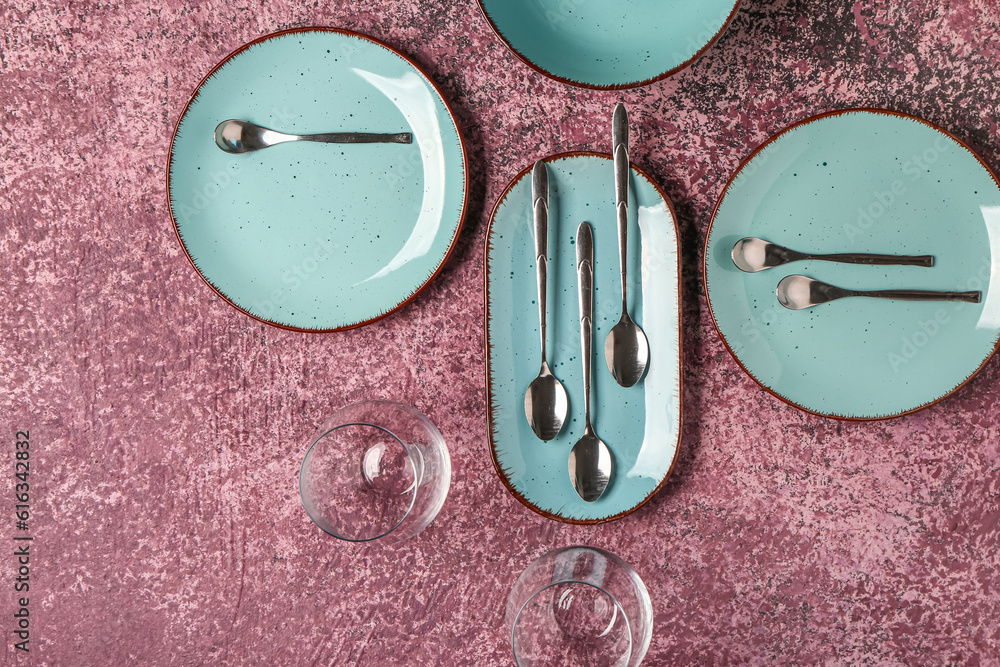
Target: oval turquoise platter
column 608, row 45
column 640, row 424
column 869, row 181
column 310, row 236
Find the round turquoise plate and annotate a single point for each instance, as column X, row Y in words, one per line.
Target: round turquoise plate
column 309, row 236
column 861, row 180
column 640, row 424
column 608, row 44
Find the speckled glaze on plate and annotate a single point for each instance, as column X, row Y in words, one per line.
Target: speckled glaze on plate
column 641, row 424
column 608, row 45
column 860, row 180
column 308, row 236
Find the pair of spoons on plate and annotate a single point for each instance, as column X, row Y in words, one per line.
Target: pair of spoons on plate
column 626, row 349
column 797, row 292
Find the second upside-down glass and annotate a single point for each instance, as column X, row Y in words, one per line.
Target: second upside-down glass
column 580, row 606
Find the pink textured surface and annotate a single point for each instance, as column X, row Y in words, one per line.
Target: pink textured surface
column 167, row 428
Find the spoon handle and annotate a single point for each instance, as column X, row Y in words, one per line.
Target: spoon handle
column 920, row 295
column 540, row 208
column 876, row 260
column 358, row 138
column 619, row 140
column 585, row 279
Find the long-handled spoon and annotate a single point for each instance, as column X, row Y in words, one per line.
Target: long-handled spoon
column 797, row 292
column 752, row 254
column 240, row 136
column 590, row 463
column 626, row 350
column 546, row 402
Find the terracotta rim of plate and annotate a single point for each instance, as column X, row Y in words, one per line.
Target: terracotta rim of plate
column 708, row 234
column 377, row 42
column 614, row 86
column 490, row 426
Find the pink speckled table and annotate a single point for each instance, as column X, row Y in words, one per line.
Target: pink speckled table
column 167, row 429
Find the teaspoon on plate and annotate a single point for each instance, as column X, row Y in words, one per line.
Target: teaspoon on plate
column 241, row 136
column 752, row 254
column 796, row 292
column 545, row 402
column 590, row 462
column 626, row 349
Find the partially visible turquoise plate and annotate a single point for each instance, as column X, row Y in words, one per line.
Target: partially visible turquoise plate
column 318, row 237
column 641, row 424
column 608, row 44
column 861, row 180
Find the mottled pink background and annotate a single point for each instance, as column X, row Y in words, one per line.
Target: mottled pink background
column 167, row 428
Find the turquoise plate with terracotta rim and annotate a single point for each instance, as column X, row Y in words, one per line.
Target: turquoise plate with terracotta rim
column 608, row 45
column 641, row 424
column 318, row 237
column 860, row 180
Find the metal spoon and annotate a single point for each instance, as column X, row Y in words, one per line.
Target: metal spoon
column 590, row 463
column 752, row 254
column 626, row 350
column 240, row 136
column 546, row 402
column 797, row 292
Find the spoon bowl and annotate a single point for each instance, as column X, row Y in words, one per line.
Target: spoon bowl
column 241, row 136
column 590, row 466
column 546, row 404
column 752, row 254
column 626, row 351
